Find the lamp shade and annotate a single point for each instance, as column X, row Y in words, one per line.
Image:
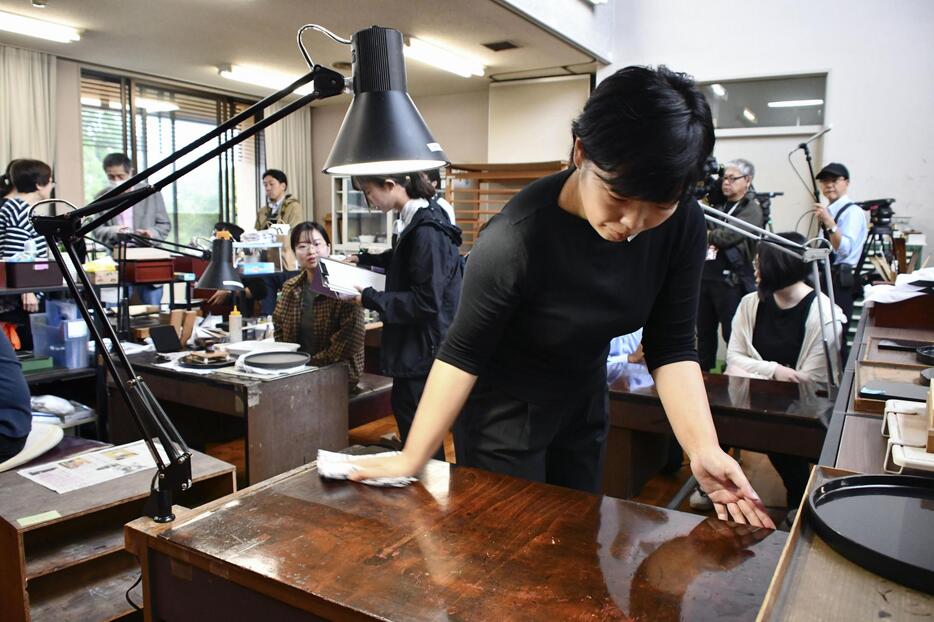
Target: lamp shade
column 383, row 132
column 220, row 273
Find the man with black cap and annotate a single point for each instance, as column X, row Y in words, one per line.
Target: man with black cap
column 844, row 224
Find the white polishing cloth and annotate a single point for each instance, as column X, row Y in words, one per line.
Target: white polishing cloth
column 339, row 466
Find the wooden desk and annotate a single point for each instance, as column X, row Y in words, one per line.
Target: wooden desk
column 74, row 566
column 461, row 544
column 759, row 415
column 285, row 420
column 854, row 439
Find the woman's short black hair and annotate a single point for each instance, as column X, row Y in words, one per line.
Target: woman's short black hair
column 416, row 183
column 25, row 175
column 277, row 175
column 307, row 227
column 778, row 269
column 649, row 130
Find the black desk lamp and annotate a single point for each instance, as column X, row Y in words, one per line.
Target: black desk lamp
column 382, row 133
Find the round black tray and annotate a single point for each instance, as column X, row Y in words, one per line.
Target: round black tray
column 211, row 365
column 880, row 522
column 276, row 360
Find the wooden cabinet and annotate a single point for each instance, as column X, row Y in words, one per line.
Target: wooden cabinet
column 478, row 191
column 62, row 556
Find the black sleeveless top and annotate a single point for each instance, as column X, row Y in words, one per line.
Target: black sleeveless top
column 779, row 333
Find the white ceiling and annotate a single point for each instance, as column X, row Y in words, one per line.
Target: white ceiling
column 186, row 40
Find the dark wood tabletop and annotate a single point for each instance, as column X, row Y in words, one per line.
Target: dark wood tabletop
column 460, row 544
column 749, row 396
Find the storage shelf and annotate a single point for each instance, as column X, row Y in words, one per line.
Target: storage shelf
column 43, row 560
column 91, row 591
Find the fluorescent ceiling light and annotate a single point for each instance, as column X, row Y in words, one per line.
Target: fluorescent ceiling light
column 147, row 104
column 797, row 103
column 431, row 54
column 749, row 115
column 31, row 27
column 718, row 89
column 262, row 77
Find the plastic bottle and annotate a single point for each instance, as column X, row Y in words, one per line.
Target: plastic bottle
column 235, row 326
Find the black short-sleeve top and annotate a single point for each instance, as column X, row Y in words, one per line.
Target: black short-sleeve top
column 544, row 294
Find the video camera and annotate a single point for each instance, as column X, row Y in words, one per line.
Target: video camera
column 709, row 184
column 880, row 212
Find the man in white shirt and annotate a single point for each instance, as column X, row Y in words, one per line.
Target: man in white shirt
column 844, row 224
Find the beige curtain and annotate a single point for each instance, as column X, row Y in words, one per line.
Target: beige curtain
column 27, row 105
column 288, row 148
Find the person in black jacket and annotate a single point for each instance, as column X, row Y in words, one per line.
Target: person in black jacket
column 15, row 410
column 573, row 260
column 423, row 285
column 727, row 275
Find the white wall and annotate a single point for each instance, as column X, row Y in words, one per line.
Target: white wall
column 458, row 123
column 530, row 120
column 879, row 57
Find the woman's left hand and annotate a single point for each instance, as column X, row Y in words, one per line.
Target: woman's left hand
column 30, row 303
column 721, row 477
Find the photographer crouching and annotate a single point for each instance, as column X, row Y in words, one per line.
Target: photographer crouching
column 728, row 273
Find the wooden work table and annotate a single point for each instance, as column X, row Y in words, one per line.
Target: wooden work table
column 283, row 421
column 759, row 415
column 461, row 544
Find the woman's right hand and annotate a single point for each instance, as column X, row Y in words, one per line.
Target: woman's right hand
column 400, row 465
column 786, row 374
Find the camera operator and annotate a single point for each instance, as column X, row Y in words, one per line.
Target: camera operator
column 728, row 273
column 842, row 222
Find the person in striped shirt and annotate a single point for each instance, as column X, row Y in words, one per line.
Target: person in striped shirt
column 25, row 183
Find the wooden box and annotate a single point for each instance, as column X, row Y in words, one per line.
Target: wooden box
column 21, row 274
column 149, row 271
column 893, row 358
column 191, row 264
column 879, row 371
column 62, row 556
column 814, row 582
column 917, row 312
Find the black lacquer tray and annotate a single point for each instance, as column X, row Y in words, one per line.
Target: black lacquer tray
column 884, row 523
column 276, row 360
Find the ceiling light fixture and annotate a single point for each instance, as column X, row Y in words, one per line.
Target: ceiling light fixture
column 749, row 115
column 261, row 77
column 440, row 58
column 796, row 103
column 718, row 89
column 31, row 27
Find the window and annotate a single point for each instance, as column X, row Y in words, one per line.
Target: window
column 767, row 102
column 164, row 120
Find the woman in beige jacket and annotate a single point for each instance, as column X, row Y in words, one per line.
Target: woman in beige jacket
column 777, row 334
column 777, row 330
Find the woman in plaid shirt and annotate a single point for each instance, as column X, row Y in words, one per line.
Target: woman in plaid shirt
column 328, row 329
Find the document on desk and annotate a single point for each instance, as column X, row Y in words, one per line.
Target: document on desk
column 93, row 467
column 337, row 279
